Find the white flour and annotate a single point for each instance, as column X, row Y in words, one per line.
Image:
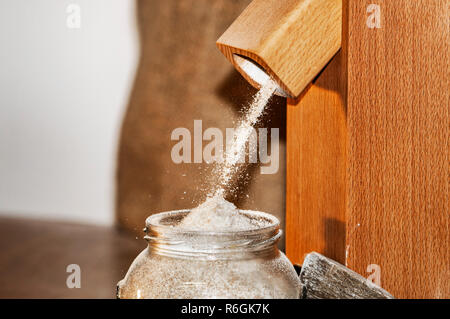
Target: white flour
column 217, row 214
column 241, row 136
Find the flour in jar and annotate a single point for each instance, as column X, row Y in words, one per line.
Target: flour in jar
column 218, row 215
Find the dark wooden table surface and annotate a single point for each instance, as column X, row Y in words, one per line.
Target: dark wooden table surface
column 34, row 256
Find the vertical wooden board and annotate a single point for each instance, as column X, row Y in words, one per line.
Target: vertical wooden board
column 398, row 145
column 315, row 177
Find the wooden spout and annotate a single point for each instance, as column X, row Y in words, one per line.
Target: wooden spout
column 289, row 40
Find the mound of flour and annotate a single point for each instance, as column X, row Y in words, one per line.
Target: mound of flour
column 218, row 214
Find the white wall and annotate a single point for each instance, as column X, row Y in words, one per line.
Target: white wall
column 62, row 96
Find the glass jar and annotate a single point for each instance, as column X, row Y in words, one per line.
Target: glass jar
column 197, row 264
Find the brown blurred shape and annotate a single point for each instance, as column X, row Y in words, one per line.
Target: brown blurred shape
column 182, row 77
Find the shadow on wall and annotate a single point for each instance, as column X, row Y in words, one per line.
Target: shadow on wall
column 334, row 235
column 183, row 77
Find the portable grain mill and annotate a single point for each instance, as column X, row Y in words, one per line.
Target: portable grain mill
column 367, row 130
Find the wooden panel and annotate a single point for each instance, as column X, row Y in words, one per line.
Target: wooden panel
column 316, row 157
column 398, row 152
column 394, row 171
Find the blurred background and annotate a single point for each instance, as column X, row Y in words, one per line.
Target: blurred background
column 90, row 93
column 63, row 95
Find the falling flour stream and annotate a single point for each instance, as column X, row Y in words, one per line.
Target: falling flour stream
column 217, row 214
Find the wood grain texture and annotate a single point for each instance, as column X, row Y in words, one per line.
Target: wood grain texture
column 323, row 278
column 398, row 99
column 292, row 39
column 396, row 96
column 315, row 176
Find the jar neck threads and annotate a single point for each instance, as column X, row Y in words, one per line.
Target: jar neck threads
column 165, row 239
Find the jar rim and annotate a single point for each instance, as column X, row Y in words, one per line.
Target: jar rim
column 164, row 239
column 154, row 222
